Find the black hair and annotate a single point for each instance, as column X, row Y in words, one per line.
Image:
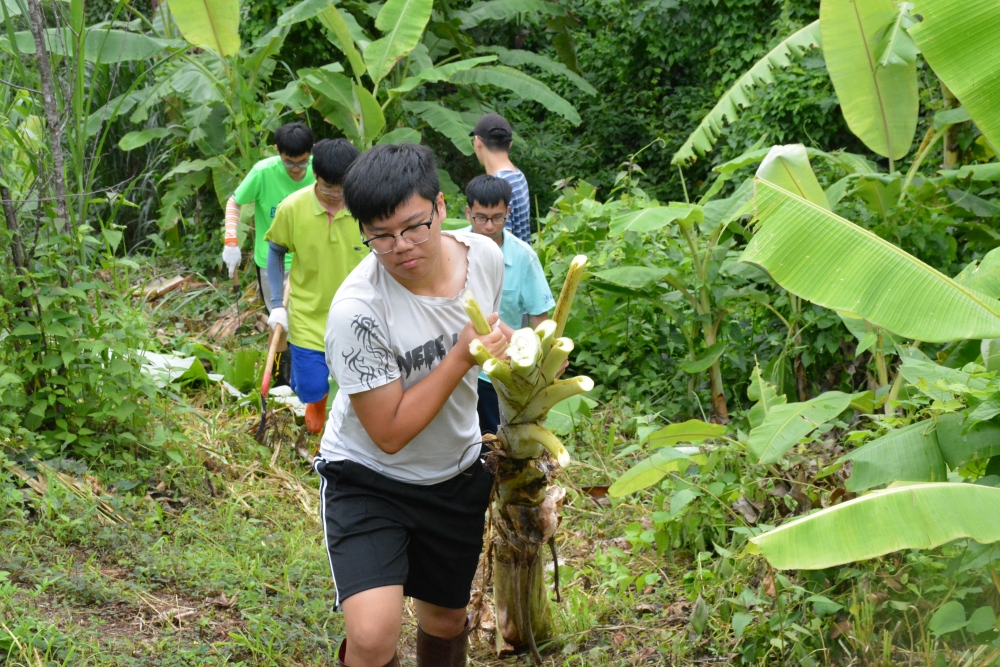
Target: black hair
column 497, row 139
column 488, row 190
column 332, row 157
column 294, row 139
column 386, row 176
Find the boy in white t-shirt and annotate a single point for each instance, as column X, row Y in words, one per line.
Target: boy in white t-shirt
column 403, row 491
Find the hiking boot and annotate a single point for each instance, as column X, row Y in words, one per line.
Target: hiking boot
column 436, row 652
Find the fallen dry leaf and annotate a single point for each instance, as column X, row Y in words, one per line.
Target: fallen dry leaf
column 619, row 638
column 222, row 601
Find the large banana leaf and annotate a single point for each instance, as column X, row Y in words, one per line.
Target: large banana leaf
column 727, row 109
column 503, row 10
column 519, row 57
column 444, row 120
column 788, row 167
column 922, row 516
column 832, row 262
column 880, row 104
column 333, row 20
column 960, row 39
column 524, row 86
column 909, row 454
column 983, row 275
column 101, row 45
column 766, row 395
column 442, row 73
column 656, row 217
column 401, row 22
column 784, row 425
column 210, row 24
column 651, row 470
column 958, row 448
column 371, row 120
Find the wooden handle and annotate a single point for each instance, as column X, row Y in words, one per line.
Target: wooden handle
column 272, row 350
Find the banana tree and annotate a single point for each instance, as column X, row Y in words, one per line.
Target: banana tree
column 386, row 83
column 828, row 260
column 525, row 507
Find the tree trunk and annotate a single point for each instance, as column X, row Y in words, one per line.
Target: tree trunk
column 55, row 130
column 951, row 147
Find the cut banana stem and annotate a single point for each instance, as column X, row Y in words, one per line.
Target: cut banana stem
column 555, row 358
column 546, row 334
column 536, row 433
column 518, row 446
column 475, row 313
column 479, row 351
column 525, row 351
column 555, row 392
column 498, row 370
column 568, row 292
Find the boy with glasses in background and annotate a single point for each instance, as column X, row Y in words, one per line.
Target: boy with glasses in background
column 314, row 224
column 268, row 183
column 525, row 289
column 492, row 138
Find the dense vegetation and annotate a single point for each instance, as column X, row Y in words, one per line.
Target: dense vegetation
column 790, row 313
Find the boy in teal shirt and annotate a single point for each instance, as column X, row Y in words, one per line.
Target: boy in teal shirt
column 525, row 289
column 267, row 184
column 314, row 224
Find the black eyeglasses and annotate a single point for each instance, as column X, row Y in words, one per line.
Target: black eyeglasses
column 383, row 244
column 498, row 219
column 295, row 165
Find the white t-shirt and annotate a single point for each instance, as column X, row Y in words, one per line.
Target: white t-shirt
column 379, row 332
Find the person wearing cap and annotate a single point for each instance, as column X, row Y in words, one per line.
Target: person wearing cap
column 492, row 138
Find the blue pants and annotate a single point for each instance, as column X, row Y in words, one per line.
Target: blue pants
column 310, row 375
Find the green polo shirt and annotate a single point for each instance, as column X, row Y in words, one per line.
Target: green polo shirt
column 326, row 248
column 266, row 186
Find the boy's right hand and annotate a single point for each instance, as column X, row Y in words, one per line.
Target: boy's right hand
column 232, row 257
column 278, row 316
column 494, row 341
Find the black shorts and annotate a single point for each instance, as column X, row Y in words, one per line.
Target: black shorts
column 381, row 532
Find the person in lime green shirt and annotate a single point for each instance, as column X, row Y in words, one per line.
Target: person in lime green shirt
column 314, row 224
column 267, row 184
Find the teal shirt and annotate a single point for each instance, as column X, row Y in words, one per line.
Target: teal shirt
column 525, row 289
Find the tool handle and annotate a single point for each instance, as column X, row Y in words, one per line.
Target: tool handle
column 272, row 350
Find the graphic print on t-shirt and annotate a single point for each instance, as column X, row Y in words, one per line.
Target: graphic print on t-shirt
column 365, row 329
column 424, row 355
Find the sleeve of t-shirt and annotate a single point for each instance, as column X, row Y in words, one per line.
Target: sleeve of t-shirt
column 497, row 257
column 357, row 352
column 248, row 190
column 281, row 230
column 537, row 295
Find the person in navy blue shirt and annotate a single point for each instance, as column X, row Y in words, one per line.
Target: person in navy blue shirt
column 492, row 138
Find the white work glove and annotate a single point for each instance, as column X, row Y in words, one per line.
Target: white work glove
column 232, row 257
column 278, row 316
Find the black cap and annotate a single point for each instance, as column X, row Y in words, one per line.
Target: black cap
column 493, row 126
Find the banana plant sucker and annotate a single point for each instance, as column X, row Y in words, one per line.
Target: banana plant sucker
column 525, row 506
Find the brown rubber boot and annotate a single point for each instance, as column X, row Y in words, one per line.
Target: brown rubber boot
column 436, row 652
column 342, row 651
column 316, row 415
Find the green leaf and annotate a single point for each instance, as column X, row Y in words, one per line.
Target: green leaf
column 521, row 57
column 741, row 620
column 974, row 172
column 334, row 21
column 832, row 262
column 705, row 360
column 788, row 167
column 961, row 42
column 442, row 73
column 785, row 425
column 565, row 414
column 923, row 516
column 693, row 431
column 896, row 47
column 948, row 618
column 101, row 45
column 504, row 10
column 699, row 616
column 880, row 104
column 635, row 277
column 910, row 454
column 444, row 120
column 656, row 217
column 990, row 349
column 649, row 471
column 24, row 329
column 113, row 237
column 948, row 117
column 337, row 100
column 522, row 85
column 370, row 114
column 210, row 24
column 880, row 192
column 140, row 138
column 960, row 444
column 981, row 620
column 403, row 135
column 727, row 109
column 983, row 275
column 402, row 23
column 766, row 395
